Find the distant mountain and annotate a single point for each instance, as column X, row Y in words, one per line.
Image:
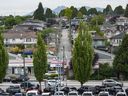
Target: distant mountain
column 58, row 9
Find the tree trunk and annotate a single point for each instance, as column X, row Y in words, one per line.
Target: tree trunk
column 40, row 88
column 81, row 84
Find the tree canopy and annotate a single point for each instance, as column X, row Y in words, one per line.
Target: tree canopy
column 83, row 10
column 39, row 12
column 4, row 60
column 40, row 60
column 92, row 11
column 49, row 13
column 120, row 63
column 108, row 10
column 126, row 11
column 119, row 10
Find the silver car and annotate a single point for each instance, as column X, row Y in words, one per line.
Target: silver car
column 111, row 82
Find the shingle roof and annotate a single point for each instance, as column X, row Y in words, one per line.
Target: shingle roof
column 119, row 36
column 9, row 35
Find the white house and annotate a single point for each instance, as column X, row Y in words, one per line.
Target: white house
column 20, row 37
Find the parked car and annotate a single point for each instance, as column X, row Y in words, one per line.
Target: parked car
column 82, row 89
column 19, row 78
column 4, row 94
column 121, row 94
column 126, row 90
column 50, row 90
column 113, row 90
column 73, row 93
column 103, row 93
column 87, row 93
column 13, row 89
column 25, row 85
column 66, row 90
column 7, row 79
column 111, row 82
column 46, row 94
column 60, row 93
column 53, row 83
column 32, row 93
column 19, row 94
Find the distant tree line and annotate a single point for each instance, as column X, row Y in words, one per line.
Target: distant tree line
column 93, row 11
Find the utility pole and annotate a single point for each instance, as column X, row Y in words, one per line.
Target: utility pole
column 63, row 61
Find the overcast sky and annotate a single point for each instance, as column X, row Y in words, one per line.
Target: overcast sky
column 22, row 7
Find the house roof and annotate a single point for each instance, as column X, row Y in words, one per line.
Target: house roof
column 98, row 37
column 9, row 35
column 119, row 36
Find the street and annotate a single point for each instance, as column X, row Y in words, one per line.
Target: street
column 70, row 83
column 65, row 46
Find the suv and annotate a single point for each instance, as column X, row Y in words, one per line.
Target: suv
column 111, row 82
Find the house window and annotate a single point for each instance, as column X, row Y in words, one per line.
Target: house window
column 28, row 40
column 6, row 40
column 13, row 39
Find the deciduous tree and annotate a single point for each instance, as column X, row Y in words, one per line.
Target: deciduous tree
column 40, row 60
column 3, row 59
column 82, row 54
column 120, row 63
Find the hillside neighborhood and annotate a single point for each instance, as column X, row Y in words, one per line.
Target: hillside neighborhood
column 77, row 44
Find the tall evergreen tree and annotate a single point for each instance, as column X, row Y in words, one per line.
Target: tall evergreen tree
column 40, row 60
column 3, row 59
column 120, row 63
column 119, row 10
column 39, row 12
column 48, row 13
column 92, row 11
column 82, row 54
column 108, row 10
column 126, row 11
column 83, row 10
column 74, row 12
column 79, row 15
column 68, row 14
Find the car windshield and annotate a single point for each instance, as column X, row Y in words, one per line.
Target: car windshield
column 121, row 95
column 31, row 94
column 103, row 94
column 86, row 94
column 72, row 94
column 59, row 93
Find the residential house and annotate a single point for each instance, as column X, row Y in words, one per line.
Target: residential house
column 98, row 41
column 25, row 37
column 122, row 23
column 117, row 39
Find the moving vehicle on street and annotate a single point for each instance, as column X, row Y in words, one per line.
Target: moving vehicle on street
column 111, row 82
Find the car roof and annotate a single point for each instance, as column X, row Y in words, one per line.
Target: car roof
column 73, row 92
column 104, row 92
column 32, row 91
column 121, row 93
column 88, row 92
